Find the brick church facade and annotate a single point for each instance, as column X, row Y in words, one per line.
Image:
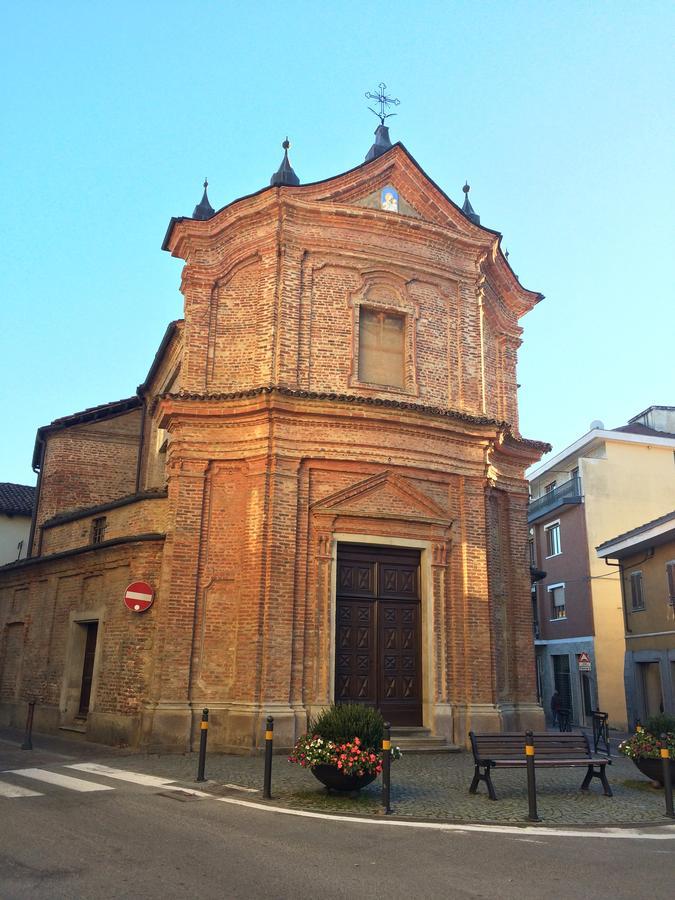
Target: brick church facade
column 322, row 477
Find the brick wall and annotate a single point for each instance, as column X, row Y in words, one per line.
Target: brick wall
column 40, row 606
column 137, row 517
column 88, row 464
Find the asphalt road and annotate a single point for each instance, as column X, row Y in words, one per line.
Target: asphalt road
column 123, row 839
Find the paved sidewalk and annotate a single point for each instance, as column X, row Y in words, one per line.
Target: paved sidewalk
column 423, row 786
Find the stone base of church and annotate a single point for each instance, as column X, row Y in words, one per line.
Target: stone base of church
column 237, row 728
column 522, row 717
column 101, row 728
column 494, row 718
column 115, row 730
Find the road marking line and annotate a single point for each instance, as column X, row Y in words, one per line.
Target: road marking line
column 664, row 833
column 13, row 790
column 122, row 774
column 200, row 795
column 238, row 787
column 73, row 784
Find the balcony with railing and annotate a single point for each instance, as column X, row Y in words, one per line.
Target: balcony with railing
column 568, row 492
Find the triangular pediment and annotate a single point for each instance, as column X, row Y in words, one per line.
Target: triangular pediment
column 394, row 183
column 388, row 199
column 383, row 496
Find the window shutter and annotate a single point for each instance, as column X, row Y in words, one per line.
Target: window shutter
column 636, row 590
column 670, row 569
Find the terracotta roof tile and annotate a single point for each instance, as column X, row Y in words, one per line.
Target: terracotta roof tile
column 16, row 499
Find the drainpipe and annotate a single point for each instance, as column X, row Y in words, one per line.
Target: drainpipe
column 36, row 502
column 140, row 447
column 619, row 565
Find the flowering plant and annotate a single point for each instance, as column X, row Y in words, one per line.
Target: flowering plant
column 350, row 758
column 643, row 744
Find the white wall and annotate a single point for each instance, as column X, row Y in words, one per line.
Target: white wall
column 13, row 529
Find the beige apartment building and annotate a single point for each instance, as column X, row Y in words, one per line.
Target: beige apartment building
column 596, row 488
column 645, row 557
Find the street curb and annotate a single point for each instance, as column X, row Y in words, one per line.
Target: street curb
column 273, row 806
column 530, row 829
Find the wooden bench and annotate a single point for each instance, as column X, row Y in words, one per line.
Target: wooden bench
column 507, row 751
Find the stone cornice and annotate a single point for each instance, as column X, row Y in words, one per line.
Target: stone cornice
column 507, row 441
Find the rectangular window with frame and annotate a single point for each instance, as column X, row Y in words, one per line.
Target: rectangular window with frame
column 550, row 487
column 381, row 347
column 98, row 527
column 552, row 533
column 557, row 594
column 636, row 594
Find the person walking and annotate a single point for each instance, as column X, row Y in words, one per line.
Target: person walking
column 556, row 704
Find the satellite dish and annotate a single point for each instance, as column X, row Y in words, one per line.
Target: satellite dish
column 596, row 423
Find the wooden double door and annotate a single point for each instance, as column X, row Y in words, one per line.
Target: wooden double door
column 378, row 659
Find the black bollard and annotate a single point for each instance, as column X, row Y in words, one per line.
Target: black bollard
column 386, row 769
column 531, row 781
column 28, row 736
column 203, row 734
column 667, row 780
column 269, row 742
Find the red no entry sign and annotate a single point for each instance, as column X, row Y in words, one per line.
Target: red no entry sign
column 138, row 596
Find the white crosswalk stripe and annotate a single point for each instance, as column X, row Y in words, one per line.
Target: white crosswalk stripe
column 13, row 790
column 121, row 774
column 66, row 781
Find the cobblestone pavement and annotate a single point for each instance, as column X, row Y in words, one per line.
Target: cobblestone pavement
column 431, row 786
column 426, row 786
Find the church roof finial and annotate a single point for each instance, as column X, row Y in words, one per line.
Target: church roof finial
column 382, row 141
column 285, row 174
column 467, row 208
column 204, row 210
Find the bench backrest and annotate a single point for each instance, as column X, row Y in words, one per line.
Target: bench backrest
column 511, row 745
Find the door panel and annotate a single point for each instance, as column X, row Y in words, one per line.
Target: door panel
column 88, row 668
column 378, row 642
column 400, row 695
column 355, row 670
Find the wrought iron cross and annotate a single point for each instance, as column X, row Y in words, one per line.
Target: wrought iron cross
column 384, row 102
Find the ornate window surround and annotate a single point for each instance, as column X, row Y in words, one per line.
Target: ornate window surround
column 382, row 290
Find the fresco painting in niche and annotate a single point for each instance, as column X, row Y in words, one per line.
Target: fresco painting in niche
column 389, row 199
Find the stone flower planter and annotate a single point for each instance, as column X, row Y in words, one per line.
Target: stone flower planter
column 653, row 768
column 334, row 780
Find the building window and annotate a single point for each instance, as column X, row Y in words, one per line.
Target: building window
column 557, row 592
column 98, row 529
column 552, row 532
column 670, row 575
column 550, row 487
column 637, row 597
column 381, row 347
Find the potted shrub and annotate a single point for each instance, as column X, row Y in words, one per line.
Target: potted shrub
column 644, row 747
column 342, row 747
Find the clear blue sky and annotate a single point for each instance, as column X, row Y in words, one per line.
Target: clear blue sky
column 558, row 113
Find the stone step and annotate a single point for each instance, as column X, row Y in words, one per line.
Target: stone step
column 76, row 728
column 421, row 740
